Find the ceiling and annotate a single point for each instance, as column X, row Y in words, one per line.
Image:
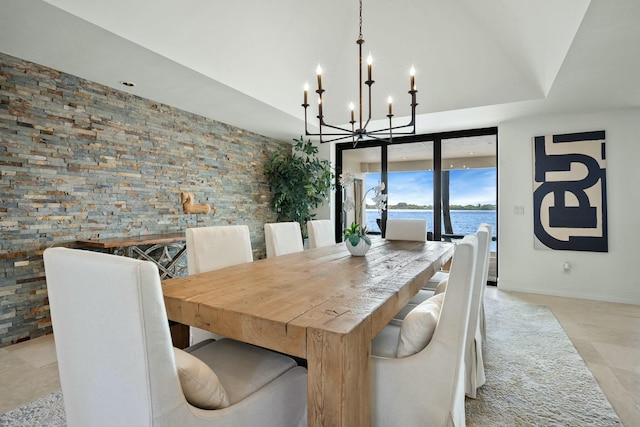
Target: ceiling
column 244, row 63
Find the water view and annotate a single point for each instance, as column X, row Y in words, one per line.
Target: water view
column 472, row 199
column 462, row 221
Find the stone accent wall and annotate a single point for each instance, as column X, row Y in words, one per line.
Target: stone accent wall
column 80, row 160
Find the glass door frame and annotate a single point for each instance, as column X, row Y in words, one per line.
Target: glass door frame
column 436, row 138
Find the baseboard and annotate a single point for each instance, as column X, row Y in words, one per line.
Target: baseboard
column 596, row 295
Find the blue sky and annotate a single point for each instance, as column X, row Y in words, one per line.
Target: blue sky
column 467, row 187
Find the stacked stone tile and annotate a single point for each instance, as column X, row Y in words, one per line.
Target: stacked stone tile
column 80, row 160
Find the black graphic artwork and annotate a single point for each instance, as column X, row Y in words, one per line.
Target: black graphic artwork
column 569, row 197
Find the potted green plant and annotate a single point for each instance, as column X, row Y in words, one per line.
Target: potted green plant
column 356, row 239
column 299, row 182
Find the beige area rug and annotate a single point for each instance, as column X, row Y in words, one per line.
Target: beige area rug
column 535, row 377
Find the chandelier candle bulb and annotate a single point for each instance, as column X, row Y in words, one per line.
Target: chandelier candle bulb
column 390, row 100
column 412, row 75
column 306, row 90
column 352, row 108
column 369, row 63
column 319, row 71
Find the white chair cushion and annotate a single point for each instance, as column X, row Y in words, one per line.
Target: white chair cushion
column 442, row 286
column 420, row 297
column 211, row 248
column 417, row 299
column 385, row 344
column 282, row 238
column 200, row 384
column 418, row 326
column 406, row 229
column 320, row 233
column 242, row 369
column 436, row 279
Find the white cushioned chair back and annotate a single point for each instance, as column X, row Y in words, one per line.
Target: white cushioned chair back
column 283, row 238
column 320, row 233
column 432, row 381
column 485, row 276
column 211, row 248
column 481, row 257
column 454, row 320
column 406, row 229
column 474, row 365
column 485, row 264
column 108, row 317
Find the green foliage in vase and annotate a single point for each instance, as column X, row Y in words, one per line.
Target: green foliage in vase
column 355, row 233
column 299, row 182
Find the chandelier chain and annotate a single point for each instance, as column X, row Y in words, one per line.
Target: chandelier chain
column 360, row 36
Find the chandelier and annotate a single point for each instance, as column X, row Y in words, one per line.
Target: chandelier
column 359, row 130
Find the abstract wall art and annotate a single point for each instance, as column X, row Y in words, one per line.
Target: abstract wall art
column 569, row 192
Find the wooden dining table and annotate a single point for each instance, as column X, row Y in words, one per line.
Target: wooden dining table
column 323, row 305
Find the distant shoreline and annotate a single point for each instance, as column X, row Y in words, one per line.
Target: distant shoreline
column 430, row 208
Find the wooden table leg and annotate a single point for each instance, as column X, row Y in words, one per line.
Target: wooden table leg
column 339, row 387
column 179, row 334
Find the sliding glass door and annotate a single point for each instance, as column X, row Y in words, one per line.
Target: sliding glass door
column 448, row 178
column 410, row 181
column 469, row 188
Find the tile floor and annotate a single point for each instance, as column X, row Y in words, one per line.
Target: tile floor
column 28, row 370
column 607, row 336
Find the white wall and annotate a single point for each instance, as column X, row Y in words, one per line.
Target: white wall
column 612, row 276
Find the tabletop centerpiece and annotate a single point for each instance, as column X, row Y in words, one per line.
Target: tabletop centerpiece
column 356, row 239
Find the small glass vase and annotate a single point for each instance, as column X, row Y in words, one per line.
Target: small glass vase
column 358, row 250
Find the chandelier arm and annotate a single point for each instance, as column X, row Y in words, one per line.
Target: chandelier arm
column 378, row 135
column 373, row 132
column 343, row 130
column 348, row 133
column 305, row 118
column 387, row 130
column 366, row 124
column 340, row 138
column 353, row 133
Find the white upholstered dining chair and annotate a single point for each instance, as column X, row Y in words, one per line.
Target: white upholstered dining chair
column 417, row 369
column 321, row 233
column 406, row 229
column 474, row 363
column 211, row 248
column 283, row 238
column 118, row 367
